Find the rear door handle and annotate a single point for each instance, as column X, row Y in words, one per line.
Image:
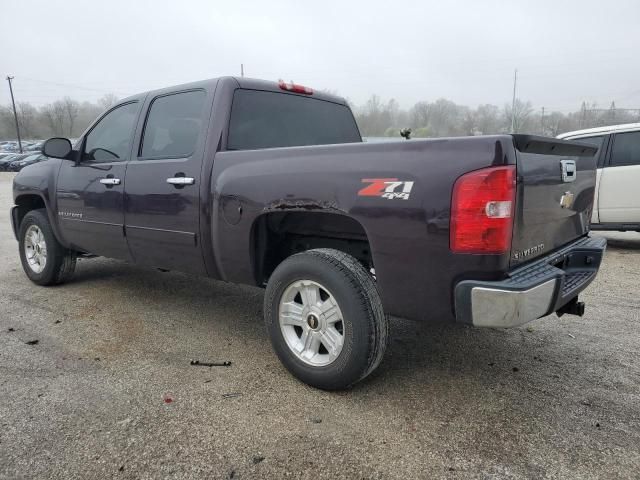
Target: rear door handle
column 181, row 181
column 110, row 181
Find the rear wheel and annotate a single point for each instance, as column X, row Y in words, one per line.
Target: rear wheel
column 44, row 260
column 325, row 318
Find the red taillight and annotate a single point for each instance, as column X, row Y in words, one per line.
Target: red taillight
column 482, row 209
column 295, row 88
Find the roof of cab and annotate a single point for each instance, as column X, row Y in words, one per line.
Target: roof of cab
column 244, row 82
column 273, row 86
column 627, row 127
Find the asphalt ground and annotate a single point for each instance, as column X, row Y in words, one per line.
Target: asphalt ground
column 108, row 390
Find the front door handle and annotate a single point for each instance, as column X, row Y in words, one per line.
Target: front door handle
column 110, row 181
column 181, row 181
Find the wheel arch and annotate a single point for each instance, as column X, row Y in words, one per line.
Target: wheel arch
column 27, row 202
column 277, row 235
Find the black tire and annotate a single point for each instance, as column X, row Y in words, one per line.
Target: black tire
column 60, row 262
column 366, row 327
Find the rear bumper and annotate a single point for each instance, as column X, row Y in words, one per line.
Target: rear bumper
column 531, row 291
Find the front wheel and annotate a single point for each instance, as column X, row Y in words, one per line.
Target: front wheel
column 325, row 318
column 44, row 260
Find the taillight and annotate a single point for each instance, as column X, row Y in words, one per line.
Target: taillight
column 295, row 88
column 482, row 209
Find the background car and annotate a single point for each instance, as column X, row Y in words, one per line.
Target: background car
column 34, row 147
column 18, row 164
column 4, row 162
column 8, row 158
column 616, row 204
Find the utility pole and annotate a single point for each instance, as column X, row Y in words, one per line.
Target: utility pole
column 242, row 69
column 513, row 102
column 542, row 122
column 15, row 113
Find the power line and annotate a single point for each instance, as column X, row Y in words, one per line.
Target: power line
column 69, row 85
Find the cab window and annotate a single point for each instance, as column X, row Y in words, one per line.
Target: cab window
column 110, row 138
column 261, row 119
column 173, row 125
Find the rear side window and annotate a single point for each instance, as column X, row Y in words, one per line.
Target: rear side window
column 110, row 139
column 626, row 149
column 261, row 119
column 173, row 125
column 595, row 141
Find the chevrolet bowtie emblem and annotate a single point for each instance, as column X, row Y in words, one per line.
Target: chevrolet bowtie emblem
column 566, row 200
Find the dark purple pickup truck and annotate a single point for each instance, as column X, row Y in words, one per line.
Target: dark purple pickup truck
column 269, row 184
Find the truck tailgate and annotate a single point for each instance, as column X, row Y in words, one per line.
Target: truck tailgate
column 554, row 197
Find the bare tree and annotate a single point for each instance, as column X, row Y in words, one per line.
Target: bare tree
column 27, row 114
column 487, row 119
column 71, row 112
column 7, row 122
column 107, row 101
column 420, row 114
column 54, row 115
column 520, row 115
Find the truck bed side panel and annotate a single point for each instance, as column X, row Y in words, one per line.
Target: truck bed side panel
column 409, row 238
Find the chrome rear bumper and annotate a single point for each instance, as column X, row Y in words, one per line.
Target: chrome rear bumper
column 531, row 291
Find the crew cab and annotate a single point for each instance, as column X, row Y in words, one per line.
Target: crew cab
column 617, row 203
column 270, row 184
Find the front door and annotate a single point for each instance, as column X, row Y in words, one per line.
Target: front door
column 90, row 193
column 162, row 201
column 618, row 198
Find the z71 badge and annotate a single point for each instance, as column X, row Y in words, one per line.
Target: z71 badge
column 389, row 188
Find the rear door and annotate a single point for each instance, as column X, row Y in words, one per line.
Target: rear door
column 555, row 192
column 162, row 201
column 619, row 199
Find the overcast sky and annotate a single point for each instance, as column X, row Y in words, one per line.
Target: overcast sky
column 466, row 51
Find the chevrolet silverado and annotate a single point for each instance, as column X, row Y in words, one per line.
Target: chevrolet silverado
column 270, row 184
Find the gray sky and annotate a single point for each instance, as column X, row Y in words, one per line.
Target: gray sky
column 466, row 51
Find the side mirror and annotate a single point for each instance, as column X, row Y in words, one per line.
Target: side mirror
column 57, row 148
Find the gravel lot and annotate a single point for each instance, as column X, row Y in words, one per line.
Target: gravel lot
column 560, row 399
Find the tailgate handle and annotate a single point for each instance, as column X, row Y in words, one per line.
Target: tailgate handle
column 568, row 168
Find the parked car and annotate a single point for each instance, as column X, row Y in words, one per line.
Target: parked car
column 18, row 164
column 9, row 146
column 617, row 202
column 5, row 161
column 35, row 147
column 269, row 184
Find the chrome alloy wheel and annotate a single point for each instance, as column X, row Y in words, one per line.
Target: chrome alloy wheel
column 311, row 323
column 35, row 249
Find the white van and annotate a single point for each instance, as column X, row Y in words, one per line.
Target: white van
column 617, row 200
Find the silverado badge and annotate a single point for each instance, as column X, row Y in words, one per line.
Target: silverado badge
column 528, row 252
